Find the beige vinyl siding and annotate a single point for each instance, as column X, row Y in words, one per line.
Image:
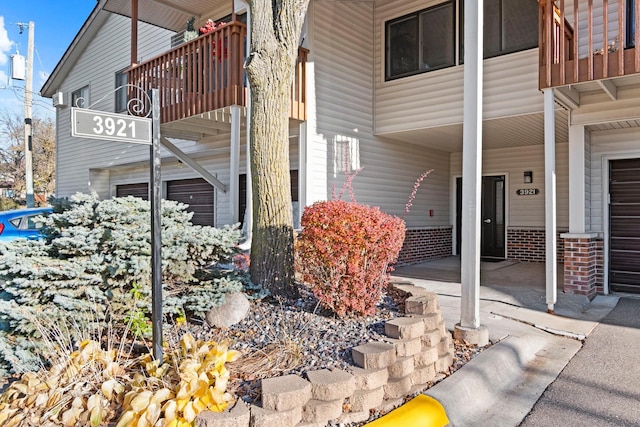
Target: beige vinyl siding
column 597, row 107
column 99, row 182
column 342, row 80
column 107, row 53
column 525, row 211
column 435, row 98
column 606, row 145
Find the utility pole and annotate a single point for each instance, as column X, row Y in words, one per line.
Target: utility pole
column 28, row 121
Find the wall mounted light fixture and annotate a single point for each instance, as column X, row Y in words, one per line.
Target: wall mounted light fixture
column 528, row 177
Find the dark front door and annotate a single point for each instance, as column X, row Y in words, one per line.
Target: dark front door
column 624, row 225
column 492, row 237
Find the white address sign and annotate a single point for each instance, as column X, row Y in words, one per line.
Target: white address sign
column 110, row 126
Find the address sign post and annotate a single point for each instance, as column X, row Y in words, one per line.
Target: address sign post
column 93, row 124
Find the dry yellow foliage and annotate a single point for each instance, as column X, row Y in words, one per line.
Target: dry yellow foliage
column 198, row 371
column 91, row 386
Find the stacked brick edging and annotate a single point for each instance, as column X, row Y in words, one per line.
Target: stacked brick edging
column 417, row 350
column 583, row 264
column 422, row 244
column 528, row 244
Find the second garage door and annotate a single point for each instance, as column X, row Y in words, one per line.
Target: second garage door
column 198, row 194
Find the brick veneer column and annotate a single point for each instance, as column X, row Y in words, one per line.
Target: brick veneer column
column 582, row 259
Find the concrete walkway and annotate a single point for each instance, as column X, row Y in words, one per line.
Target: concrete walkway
column 530, row 347
column 601, row 385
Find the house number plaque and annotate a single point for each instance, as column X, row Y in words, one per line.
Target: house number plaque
column 114, row 127
column 527, row 191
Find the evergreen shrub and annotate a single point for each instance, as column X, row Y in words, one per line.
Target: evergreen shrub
column 344, row 252
column 96, row 256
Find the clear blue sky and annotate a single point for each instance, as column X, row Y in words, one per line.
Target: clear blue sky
column 56, row 24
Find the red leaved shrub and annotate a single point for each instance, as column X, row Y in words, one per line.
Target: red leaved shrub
column 344, row 252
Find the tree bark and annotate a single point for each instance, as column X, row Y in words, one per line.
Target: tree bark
column 275, row 31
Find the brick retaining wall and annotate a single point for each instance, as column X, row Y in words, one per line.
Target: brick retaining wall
column 419, row 350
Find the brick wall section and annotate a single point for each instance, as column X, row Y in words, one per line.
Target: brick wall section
column 583, row 265
column 528, row 244
column 600, row 266
column 422, row 244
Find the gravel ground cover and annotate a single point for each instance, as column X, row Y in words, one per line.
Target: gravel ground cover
column 281, row 337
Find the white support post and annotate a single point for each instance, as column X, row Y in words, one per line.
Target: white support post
column 234, row 167
column 577, row 191
column 469, row 328
column 550, row 221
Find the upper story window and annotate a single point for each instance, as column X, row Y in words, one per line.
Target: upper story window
column 422, row 41
column 509, row 26
column 426, row 40
column 80, row 97
column 121, row 91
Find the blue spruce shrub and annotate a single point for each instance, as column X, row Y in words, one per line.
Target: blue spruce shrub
column 94, row 252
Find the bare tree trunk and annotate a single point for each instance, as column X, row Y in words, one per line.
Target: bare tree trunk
column 275, row 31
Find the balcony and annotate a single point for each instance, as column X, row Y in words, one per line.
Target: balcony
column 206, row 74
column 573, row 48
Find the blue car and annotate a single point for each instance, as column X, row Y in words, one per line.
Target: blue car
column 20, row 223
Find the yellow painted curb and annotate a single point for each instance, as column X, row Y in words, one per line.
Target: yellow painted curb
column 421, row 411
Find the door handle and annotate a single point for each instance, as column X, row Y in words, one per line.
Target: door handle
column 487, row 221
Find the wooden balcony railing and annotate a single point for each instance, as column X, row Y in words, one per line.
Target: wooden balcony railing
column 207, row 74
column 573, row 45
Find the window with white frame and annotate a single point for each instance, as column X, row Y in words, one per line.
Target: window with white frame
column 80, row 97
column 420, row 42
column 121, row 92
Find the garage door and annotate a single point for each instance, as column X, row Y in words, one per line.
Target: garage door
column 624, row 225
column 198, row 194
column 136, row 190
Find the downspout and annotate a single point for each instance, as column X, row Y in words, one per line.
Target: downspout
column 134, row 32
column 248, row 214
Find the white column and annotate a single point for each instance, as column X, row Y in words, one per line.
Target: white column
column 577, row 204
column 234, row 167
column 550, row 221
column 469, row 327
